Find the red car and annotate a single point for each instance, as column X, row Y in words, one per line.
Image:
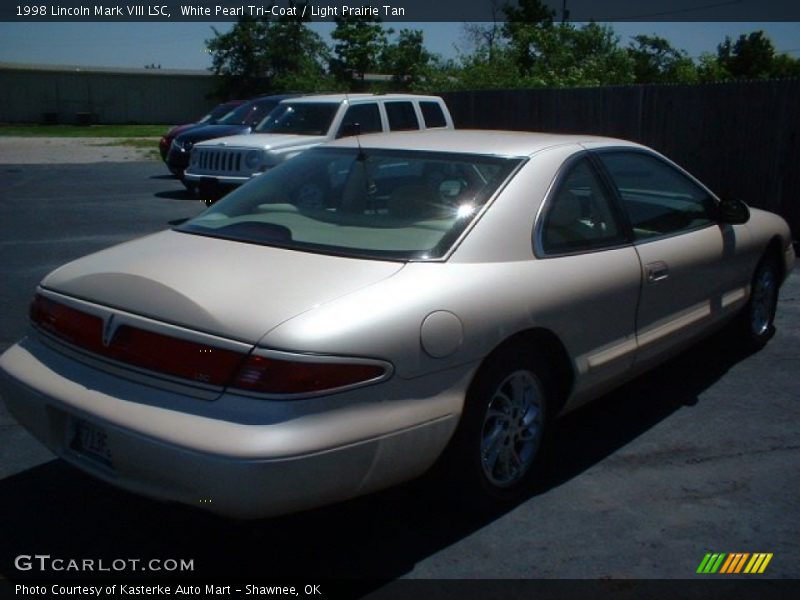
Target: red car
column 212, row 117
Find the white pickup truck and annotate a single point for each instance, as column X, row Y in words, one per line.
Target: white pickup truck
column 298, row 124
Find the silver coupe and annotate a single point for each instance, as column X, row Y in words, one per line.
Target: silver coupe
column 341, row 323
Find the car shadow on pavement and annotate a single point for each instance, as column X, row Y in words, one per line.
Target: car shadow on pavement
column 54, row 509
column 635, row 407
column 179, row 194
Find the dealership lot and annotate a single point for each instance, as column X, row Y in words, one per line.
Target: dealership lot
column 699, row 456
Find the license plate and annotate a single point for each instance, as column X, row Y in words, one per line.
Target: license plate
column 90, row 441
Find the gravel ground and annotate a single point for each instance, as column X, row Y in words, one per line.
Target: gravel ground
column 67, row 150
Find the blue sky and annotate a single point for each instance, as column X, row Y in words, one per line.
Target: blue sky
column 181, row 45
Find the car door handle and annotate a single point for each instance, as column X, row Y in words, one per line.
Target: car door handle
column 657, row 271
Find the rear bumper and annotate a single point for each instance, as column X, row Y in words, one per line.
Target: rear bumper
column 259, row 466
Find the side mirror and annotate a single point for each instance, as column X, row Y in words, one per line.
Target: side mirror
column 733, row 211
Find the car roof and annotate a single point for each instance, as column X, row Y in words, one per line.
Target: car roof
column 476, row 141
column 351, row 98
column 273, row 97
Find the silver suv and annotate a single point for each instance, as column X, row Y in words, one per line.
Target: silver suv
column 298, row 124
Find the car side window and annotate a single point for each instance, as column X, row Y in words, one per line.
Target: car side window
column 657, row 197
column 367, row 116
column 580, row 215
column 401, row 116
column 432, row 114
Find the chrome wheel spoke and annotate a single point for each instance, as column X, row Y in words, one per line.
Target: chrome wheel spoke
column 512, row 428
column 514, row 461
column 531, row 415
column 490, row 458
column 494, row 413
column 494, row 439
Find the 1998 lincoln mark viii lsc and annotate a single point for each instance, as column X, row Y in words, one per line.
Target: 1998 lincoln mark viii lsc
column 341, row 322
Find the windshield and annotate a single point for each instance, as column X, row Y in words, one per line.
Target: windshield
column 249, row 113
column 389, row 204
column 301, row 118
column 218, row 113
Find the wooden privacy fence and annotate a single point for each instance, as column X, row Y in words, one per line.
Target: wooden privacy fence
column 741, row 138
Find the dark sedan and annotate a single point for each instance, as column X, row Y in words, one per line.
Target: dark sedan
column 240, row 121
column 213, row 116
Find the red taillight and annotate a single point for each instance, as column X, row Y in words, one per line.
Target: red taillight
column 173, row 356
column 271, row 376
column 199, row 362
column 69, row 324
column 134, row 346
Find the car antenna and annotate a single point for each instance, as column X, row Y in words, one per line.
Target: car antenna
column 356, row 129
column 362, row 156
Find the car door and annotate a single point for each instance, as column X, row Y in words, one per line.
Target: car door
column 585, row 252
column 361, row 118
column 688, row 259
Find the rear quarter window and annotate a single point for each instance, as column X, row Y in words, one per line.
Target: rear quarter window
column 433, row 114
column 402, row 116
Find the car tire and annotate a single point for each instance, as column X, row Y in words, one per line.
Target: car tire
column 497, row 447
column 756, row 321
column 190, row 186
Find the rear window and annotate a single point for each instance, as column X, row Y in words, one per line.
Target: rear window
column 433, row 114
column 384, row 204
column 401, row 116
column 301, row 118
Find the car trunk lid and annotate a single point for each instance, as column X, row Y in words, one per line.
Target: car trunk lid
column 231, row 289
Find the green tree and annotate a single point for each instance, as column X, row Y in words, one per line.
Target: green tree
column 599, row 58
column 525, row 27
column 297, row 56
column 484, row 70
column 655, row 60
column 237, row 57
column 486, row 35
column 440, row 76
column 709, row 69
column 360, row 43
column 407, row 60
column 262, row 55
column 578, row 56
column 546, row 53
column 785, row 66
column 560, row 55
column 750, row 57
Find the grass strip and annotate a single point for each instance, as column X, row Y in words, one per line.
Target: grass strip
column 110, row 131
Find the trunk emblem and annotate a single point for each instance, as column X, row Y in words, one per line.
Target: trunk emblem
column 108, row 331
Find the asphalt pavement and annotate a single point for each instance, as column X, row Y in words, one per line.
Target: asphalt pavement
column 698, row 456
